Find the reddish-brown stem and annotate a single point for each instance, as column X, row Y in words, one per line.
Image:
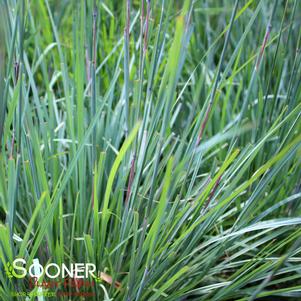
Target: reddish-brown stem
column 131, row 178
column 12, row 147
column 212, row 192
column 264, row 43
column 94, row 36
column 203, row 126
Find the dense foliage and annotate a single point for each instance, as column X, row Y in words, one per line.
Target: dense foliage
column 159, row 140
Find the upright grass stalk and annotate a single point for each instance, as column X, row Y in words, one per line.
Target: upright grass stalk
column 93, row 66
column 79, row 71
column 19, row 72
column 126, row 66
column 2, row 70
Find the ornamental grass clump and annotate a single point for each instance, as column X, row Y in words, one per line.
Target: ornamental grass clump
column 156, row 144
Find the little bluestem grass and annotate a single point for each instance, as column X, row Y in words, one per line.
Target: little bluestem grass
column 159, row 140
